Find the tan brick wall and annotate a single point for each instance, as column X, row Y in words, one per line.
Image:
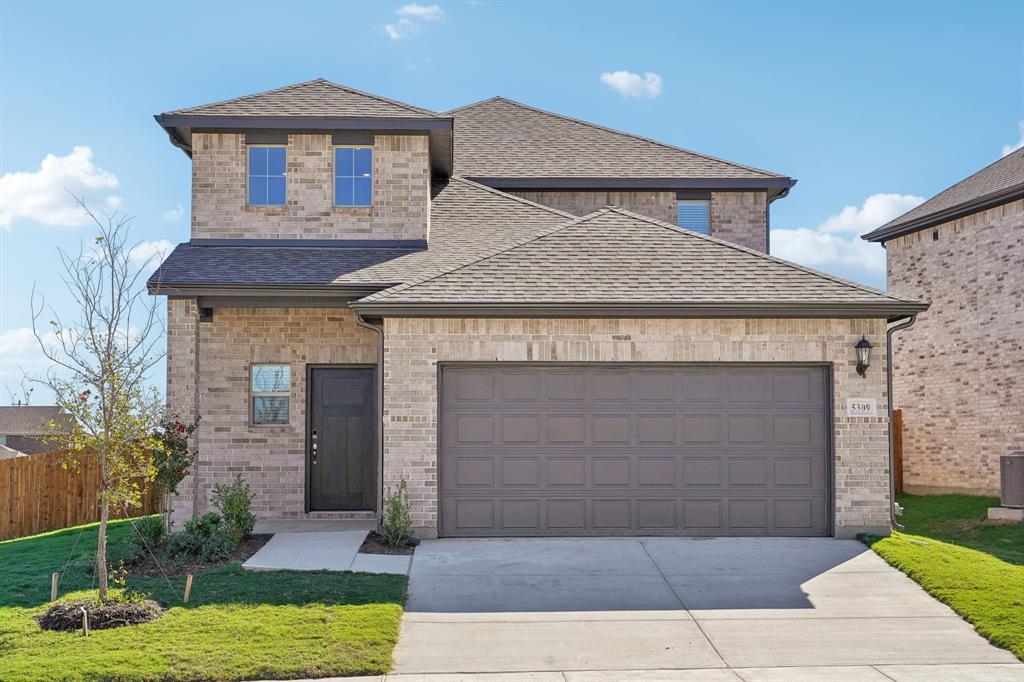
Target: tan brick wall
column 270, row 458
column 659, row 205
column 959, row 372
column 401, row 191
column 738, row 217
column 413, row 347
column 741, row 218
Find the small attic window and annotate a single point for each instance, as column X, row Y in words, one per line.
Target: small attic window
column 353, row 176
column 267, row 175
column 694, row 214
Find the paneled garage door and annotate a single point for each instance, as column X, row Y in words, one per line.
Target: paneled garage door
column 633, row 450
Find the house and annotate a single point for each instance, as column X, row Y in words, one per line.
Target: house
column 959, row 372
column 545, row 327
column 23, row 428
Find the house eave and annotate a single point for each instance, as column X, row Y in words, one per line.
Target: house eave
column 343, row 292
column 773, row 186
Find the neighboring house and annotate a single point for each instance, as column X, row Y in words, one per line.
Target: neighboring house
column 959, row 371
column 376, row 292
column 23, row 428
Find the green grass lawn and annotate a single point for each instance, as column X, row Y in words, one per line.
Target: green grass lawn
column 237, row 624
column 975, row 567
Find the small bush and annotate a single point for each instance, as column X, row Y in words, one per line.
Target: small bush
column 147, row 534
column 396, row 526
column 206, row 538
column 234, row 502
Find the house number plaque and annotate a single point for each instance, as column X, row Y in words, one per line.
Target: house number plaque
column 861, row 407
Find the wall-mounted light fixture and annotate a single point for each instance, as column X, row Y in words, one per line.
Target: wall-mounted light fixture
column 863, row 349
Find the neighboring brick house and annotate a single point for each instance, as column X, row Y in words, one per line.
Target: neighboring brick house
column 518, row 314
column 958, row 373
column 23, row 428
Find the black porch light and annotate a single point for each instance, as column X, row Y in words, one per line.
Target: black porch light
column 863, row 349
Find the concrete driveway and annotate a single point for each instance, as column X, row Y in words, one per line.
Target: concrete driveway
column 682, row 609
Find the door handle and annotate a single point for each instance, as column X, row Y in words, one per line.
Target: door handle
column 313, row 448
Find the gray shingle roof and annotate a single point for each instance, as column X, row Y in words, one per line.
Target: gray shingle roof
column 997, row 183
column 467, row 222
column 28, row 420
column 616, row 256
column 318, row 97
column 501, row 138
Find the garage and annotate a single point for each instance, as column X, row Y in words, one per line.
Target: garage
column 548, row 449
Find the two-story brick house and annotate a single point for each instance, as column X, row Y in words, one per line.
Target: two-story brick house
column 544, row 326
column 958, row 374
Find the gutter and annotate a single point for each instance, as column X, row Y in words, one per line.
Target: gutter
column 906, row 324
column 378, row 329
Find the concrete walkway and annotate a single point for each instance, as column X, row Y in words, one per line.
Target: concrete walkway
column 323, row 551
column 679, row 609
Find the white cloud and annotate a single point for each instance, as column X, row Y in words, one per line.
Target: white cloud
column 835, row 246
column 1008, row 148
column 409, row 17
column 113, row 202
column 175, row 214
column 45, row 196
column 630, row 84
column 150, row 252
column 20, row 353
column 877, row 210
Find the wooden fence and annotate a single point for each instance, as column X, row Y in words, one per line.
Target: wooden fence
column 897, row 450
column 38, row 495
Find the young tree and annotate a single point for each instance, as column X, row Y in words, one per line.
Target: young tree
column 100, row 363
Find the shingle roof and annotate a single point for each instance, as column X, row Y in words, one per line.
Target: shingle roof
column 28, row 420
column 502, row 138
column 467, row 222
column 318, row 97
column 614, row 256
column 997, row 183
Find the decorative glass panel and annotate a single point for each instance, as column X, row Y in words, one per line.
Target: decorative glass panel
column 267, row 176
column 353, row 176
column 271, row 378
column 694, row 214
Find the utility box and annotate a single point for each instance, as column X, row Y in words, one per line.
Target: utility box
column 1011, row 489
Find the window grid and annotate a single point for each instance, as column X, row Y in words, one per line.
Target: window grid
column 267, row 172
column 270, row 389
column 694, row 214
column 353, row 175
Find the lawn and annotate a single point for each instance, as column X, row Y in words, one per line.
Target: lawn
column 974, row 566
column 237, row 624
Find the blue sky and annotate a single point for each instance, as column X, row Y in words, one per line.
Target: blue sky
column 871, row 106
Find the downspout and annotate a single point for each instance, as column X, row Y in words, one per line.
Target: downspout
column 909, row 322
column 379, row 330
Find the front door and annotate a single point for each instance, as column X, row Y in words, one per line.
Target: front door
column 342, row 463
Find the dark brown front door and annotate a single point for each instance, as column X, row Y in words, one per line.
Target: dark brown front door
column 342, row 463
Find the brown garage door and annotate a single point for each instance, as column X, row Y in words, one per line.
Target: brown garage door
column 633, row 450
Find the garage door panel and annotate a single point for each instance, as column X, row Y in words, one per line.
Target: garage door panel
column 613, row 450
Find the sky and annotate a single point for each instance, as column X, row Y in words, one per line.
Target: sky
column 872, row 107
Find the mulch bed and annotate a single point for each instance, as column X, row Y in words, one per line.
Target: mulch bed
column 147, row 567
column 375, row 544
column 66, row 616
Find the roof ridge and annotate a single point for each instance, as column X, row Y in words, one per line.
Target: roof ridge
column 473, row 104
column 621, row 132
column 755, row 252
column 506, row 195
column 320, row 81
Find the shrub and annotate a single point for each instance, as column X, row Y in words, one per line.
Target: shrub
column 205, row 538
column 396, row 526
column 234, row 502
column 147, row 535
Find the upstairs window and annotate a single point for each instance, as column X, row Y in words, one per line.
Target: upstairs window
column 266, row 175
column 271, row 387
column 353, row 176
column 694, row 214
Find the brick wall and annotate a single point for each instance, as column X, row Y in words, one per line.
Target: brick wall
column 741, row 218
column 414, row 346
column 401, row 191
column 959, row 372
column 270, row 458
column 738, row 217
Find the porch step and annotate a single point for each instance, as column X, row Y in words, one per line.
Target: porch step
column 319, row 522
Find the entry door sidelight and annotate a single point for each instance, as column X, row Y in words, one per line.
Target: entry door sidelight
column 341, row 460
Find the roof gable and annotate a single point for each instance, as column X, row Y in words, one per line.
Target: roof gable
column 318, row 97
column 29, row 420
column 615, row 257
column 502, row 138
column 999, row 182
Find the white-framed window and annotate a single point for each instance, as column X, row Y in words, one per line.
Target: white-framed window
column 270, row 390
column 353, row 175
column 266, row 181
column 694, row 214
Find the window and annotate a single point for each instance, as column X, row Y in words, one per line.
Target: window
column 266, row 175
column 353, row 176
column 694, row 214
column 271, row 387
